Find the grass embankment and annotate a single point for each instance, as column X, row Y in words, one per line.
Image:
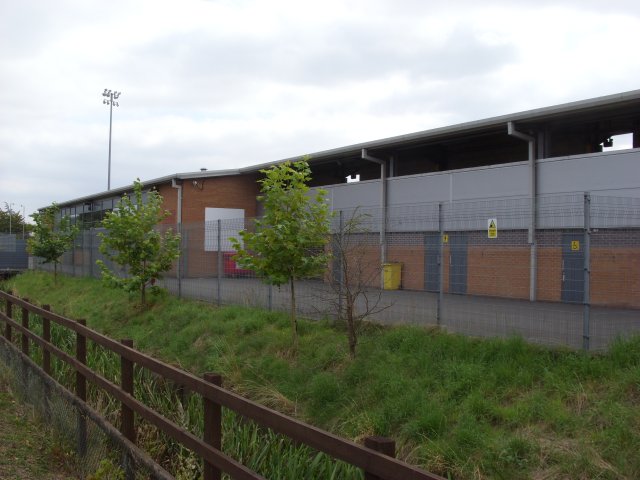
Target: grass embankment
column 460, row 407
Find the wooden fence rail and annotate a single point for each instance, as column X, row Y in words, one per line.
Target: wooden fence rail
column 375, row 458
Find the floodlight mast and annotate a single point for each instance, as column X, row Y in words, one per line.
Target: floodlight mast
column 110, row 99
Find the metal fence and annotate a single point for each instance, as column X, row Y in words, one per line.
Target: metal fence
column 476, row 267
column 13, row 252
column 48, row 385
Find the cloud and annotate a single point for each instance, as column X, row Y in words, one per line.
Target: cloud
column 220, row 84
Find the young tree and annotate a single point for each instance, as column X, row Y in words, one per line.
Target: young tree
column 288, row 241
column 50, row 239
column 356, row 276
column 132, row 241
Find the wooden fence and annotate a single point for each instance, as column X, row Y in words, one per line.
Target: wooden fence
column 375, row 458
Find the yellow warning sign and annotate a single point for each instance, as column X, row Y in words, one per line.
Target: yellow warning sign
column 492, row 228
column 575, row 245
column 445, row 238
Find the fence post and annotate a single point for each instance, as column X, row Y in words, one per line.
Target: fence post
column 220, row 264
column 180, row 259
column 81, row 389
column 46, row 361
column 212, row 426
column 586, row 314
column 25, row 348
column 7, row 330
column 386, row 446
column 91, row 262
column 25, row 324
column 440, row 265
column 73, row 258
column 341, row 278
column 46, row 336
column 127, row 419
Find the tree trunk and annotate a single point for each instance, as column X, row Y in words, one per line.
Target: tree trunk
column 55, row 273
column 143, row 287
column 351, row 327
column 294, row 321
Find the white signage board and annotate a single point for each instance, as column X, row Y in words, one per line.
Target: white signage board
column 231, row 223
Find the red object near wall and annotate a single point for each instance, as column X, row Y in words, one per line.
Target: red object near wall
column 231, row 268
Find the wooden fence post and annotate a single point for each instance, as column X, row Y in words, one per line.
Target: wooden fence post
column 25, row 349
column 46, row 361
column 386, row 446
column 212, row 426
column 81, row 390
column 46, row 336
column 7, row 330
column 25, row 324
column 127, row 418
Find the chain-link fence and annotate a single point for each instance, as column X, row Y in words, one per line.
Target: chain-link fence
column 81, row 426
column 13, row 252
column 570, row 276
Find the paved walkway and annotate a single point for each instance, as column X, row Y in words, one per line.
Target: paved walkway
column 548, row 323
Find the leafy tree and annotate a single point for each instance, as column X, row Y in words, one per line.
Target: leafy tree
column 288, row 242
column 51, row 239
column 12, row 221
column 133, row 241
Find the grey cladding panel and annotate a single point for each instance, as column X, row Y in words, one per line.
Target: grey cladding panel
column 503, row 181
column 419, row 189
column 502, row 192
column 590, row 173
column 355, row 194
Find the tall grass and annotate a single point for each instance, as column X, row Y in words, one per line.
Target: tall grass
column 460, row 407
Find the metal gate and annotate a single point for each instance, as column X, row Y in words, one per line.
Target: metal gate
column 572, row 267
column 458, row 262
column 431, row 267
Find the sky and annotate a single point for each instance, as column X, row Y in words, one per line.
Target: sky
column 230, row 83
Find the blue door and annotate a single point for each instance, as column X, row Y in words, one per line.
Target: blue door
column 458, row 262
column 573, row 267
column 431, row 266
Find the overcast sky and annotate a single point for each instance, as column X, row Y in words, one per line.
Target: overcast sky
column 230, row 83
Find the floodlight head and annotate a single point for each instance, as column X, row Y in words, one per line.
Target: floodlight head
column 105, row 92
column 116, row 94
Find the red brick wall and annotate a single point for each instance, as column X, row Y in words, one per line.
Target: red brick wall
column 170, row 201
column 197, row 262
column 498, row 271
column 549, row 278
column 615, row 276
column 233, row 191
column 239, row 191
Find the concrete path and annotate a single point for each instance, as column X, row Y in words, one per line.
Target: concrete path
column 547, row 323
